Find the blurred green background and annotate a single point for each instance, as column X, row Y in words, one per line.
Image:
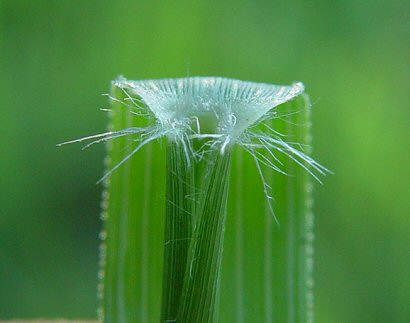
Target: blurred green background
column 58, row 57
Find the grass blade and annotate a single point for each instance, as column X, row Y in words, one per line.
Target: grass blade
column 132, row 246
column 267, row 265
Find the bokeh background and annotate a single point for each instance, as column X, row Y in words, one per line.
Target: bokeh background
column 58, row 57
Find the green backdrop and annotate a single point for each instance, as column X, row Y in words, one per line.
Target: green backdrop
column 58, row 57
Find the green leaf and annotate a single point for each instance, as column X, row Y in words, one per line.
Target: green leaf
column 134, row 206
column 267, row 264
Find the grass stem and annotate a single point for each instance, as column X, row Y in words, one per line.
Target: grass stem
column 204, row 262
column 178, row 228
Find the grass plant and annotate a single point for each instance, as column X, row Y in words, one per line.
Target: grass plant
column 207, row 124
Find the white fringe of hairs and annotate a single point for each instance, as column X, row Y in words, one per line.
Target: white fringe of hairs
column 176, row 109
